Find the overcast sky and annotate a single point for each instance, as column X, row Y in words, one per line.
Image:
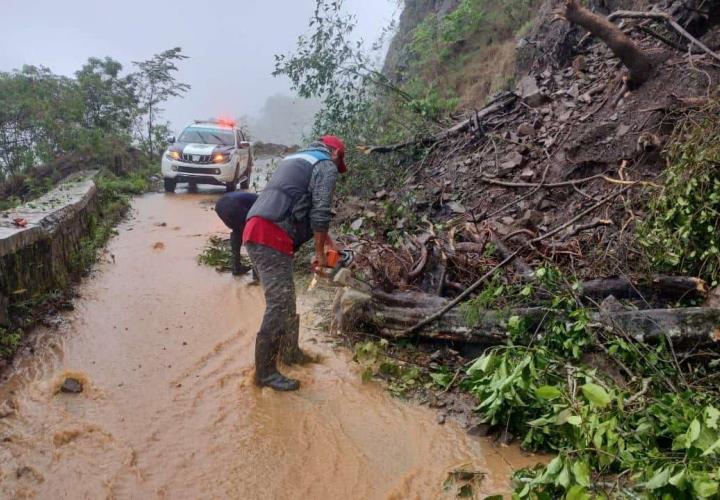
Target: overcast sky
column 231, row 43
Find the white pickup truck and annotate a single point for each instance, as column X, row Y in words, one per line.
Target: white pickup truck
column 208, row 152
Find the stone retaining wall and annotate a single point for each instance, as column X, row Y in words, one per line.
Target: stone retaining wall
column 42, row 256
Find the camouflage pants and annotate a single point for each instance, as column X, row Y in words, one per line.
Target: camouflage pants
column 275, row 270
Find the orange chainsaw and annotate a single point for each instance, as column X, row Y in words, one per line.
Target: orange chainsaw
column 334, row 261
column 336, row 272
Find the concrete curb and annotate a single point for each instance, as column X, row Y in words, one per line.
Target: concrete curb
column 38, row 257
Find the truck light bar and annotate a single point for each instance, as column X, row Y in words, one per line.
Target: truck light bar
column 221, row 121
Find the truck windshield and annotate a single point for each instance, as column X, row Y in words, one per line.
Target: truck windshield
column 204, row 135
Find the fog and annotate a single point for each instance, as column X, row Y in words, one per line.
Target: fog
column 231, row 45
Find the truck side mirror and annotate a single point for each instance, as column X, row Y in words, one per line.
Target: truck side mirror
column 171, row 139
column 244, row 145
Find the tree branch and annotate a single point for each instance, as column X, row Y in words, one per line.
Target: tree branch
column 663, row 16
column 450, row 305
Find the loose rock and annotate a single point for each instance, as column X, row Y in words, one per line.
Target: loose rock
column 71, row 386
column 525, row 129
column 530, row 93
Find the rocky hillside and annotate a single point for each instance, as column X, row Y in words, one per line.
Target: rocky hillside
column 460, row 50
column 414, row 12
column 567, row 230
column 568, row 133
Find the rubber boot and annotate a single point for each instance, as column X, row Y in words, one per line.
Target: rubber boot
column 255, row 278
column 291, row 352
column 266, row 373
column 235, row 243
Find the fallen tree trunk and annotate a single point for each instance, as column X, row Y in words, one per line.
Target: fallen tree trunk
column 390, row 317
column 690, row 325
column 635, row 60
column 668, row 287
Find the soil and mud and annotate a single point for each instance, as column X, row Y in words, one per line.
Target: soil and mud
column 163, row 351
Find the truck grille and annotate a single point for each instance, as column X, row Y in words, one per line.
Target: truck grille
column 201, row 159
column 196, row 170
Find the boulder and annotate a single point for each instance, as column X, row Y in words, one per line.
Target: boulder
column 530, row 93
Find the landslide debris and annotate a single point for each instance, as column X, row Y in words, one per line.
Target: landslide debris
column 541, row 233
column 563, row 139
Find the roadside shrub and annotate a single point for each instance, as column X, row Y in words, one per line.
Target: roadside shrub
column 654, row 435
column 9, row 342
column 681, row 230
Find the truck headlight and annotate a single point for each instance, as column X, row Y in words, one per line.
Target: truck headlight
column 221, row 158
column 172, row 155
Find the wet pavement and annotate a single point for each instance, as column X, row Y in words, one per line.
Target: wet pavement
column 163, row 348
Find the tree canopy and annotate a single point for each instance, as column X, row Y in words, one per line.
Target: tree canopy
column 44, row 115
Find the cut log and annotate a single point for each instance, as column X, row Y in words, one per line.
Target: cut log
column 690, row 325
column 389, row 316
column 667, row 287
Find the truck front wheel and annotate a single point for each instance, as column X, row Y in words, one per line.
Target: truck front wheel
column 169, row 184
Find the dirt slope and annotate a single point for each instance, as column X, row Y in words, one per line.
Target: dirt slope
column 570, row 121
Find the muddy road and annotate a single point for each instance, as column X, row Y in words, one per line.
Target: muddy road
column 164, row 348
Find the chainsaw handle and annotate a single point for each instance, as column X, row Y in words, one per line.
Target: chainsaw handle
column 325, row 272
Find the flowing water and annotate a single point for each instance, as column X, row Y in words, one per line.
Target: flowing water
column 164, row 348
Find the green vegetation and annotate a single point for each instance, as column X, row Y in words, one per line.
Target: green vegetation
column 449, row 55
column 54, row 125
column 376, row 360
column 681, row 231
column 652, row 433
column 217, row 254
column 9, row 342
column 621, row 419
column 449, row 64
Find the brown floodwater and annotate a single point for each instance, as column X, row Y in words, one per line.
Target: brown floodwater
column 164, row 348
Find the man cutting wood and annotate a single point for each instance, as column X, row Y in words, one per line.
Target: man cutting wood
column 294, row 208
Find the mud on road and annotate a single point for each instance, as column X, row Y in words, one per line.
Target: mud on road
column 164, row 350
